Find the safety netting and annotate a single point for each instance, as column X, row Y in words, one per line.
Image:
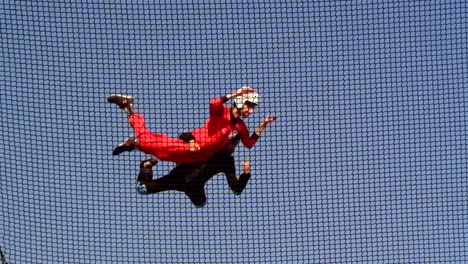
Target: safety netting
column 366, row 162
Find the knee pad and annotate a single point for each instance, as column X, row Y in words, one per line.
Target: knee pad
column 141, row 189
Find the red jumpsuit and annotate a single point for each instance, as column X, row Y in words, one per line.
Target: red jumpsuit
column 212, row 137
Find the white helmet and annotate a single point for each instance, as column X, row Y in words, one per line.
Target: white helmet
column 250, row 97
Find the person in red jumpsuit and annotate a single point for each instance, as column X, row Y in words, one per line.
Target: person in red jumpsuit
column 206, row 141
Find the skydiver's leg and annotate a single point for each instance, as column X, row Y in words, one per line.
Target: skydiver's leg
column 194, row 184
column 159, row 145
column 146, row 183
column 178, row 179
column 196, row 194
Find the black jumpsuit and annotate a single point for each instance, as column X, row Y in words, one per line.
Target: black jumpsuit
column 191, row 178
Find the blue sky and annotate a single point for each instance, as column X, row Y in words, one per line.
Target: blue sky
column 366, row 163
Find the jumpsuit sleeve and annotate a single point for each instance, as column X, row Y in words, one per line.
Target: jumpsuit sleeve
column 217, row 107
column 247, row 140
column 237, row 185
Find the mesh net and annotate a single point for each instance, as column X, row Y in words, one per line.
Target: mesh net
column 367, row 161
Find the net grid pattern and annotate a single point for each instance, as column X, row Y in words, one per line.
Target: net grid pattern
column 366, row 163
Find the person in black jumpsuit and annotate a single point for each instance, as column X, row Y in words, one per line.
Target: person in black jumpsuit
column 191, row 178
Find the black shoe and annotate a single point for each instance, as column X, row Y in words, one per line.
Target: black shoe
column 127, row 145
column 121, row 101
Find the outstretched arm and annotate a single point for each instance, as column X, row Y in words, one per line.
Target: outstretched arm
column 238, row 185
column 239, row 92
column 263, row 125
column 249, row 141
column 216, row 104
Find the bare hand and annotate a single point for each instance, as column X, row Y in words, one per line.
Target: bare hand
column 269, row 119
column 245, row 90
column 246, row 165
column 193, row 146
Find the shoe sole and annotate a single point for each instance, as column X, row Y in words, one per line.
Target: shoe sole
column 117, row 98
column 121, row 149
column 124, row 147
